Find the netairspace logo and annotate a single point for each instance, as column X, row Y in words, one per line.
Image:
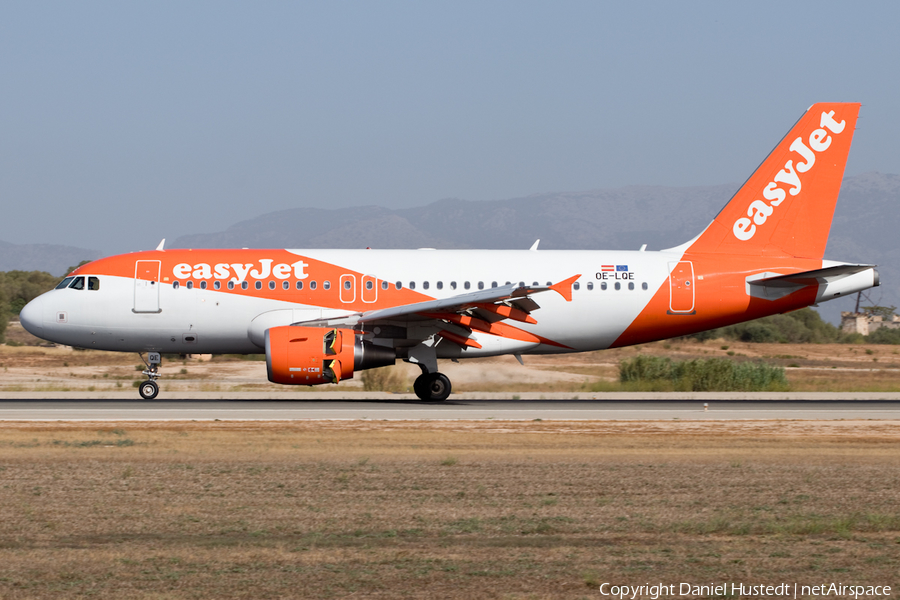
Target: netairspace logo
column 781, row 590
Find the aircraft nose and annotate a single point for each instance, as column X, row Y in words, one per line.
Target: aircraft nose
column 32, row 317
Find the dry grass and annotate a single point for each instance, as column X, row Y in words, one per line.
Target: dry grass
column 809, row 367
column 440, row 510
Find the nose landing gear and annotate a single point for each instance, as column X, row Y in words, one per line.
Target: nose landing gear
column 150, row 389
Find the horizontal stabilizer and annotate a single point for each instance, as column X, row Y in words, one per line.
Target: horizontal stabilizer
column 811, row 277
column 832, row 282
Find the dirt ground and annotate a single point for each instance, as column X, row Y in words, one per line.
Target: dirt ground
column 508, row 510
column 809, row 367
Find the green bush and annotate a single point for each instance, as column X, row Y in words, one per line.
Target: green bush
column 21, row 287
column 4, row 315
column 883, row 335
column 699, row 375
column 797, row 327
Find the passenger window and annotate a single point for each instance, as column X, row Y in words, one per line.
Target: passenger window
column 399, row 285
column 412, row 285
column 602, row 285
column 644, row 286
column 299, row 285
column 230, row 285
column 452, row 285
column 508, row 283
column 630, row 285
column 467, row 285
column 244, row 285
column 576, row 286
column 190, row 285
column 618, row 286
column 64, row 283
column 217, row 285
column 312, row 285
column 522, row 284
column 93, row 283
column 369, row 285
column 258, row 285
column 77, row 283
column 202, row 285
column 440, row 285
column 424, row 285
column 285, row 285
column 175, row 285
column 480, row 285
column 549, row 283
column 384, row 285
column 590, row 285
column 271, row 285
column 493, row 284
column 535, row 284
column 326, row 285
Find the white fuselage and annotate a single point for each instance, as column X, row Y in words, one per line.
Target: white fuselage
column 221, row 321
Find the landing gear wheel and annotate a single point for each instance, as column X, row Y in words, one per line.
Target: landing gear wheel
column 149, row 390
column 419, row 386
column 434, row 387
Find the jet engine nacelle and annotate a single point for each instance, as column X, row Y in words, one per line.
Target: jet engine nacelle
column 315, row 355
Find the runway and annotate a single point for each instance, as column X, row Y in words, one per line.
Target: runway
column 161, row 410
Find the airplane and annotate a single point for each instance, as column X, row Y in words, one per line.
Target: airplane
column 320, row 316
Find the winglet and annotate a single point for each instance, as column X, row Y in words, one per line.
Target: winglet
column 564, row 288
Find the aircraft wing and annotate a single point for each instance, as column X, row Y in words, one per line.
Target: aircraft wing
column 462, row 302
column 481, row 310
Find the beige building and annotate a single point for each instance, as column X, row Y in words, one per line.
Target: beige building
column 865, row 323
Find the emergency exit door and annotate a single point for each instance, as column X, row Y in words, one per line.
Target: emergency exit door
column 681, row 287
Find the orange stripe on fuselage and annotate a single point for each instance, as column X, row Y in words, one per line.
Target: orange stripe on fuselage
column 258, row 265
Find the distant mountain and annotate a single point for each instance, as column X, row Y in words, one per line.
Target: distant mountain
column 42, row 257
column 600, row 219
column 864, row 230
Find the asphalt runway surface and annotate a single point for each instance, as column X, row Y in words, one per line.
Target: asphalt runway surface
column 169, row 409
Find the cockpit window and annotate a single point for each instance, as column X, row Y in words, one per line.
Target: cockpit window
column 77, row 283
column 93, row 283
column 64, row 283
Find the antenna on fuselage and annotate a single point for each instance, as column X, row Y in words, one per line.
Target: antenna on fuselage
column 161, row 244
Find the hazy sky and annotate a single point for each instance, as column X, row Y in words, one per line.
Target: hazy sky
column 123, row 122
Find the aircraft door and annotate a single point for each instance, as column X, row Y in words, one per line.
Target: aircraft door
column 681, row 287
column 369, row 288
column 146, row 286
column 348, row 289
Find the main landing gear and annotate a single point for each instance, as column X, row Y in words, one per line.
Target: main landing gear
column 433, row 387
column 150, row 389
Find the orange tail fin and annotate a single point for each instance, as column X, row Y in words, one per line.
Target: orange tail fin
column 786, row 207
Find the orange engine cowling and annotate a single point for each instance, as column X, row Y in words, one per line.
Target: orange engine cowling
column 313, row 355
